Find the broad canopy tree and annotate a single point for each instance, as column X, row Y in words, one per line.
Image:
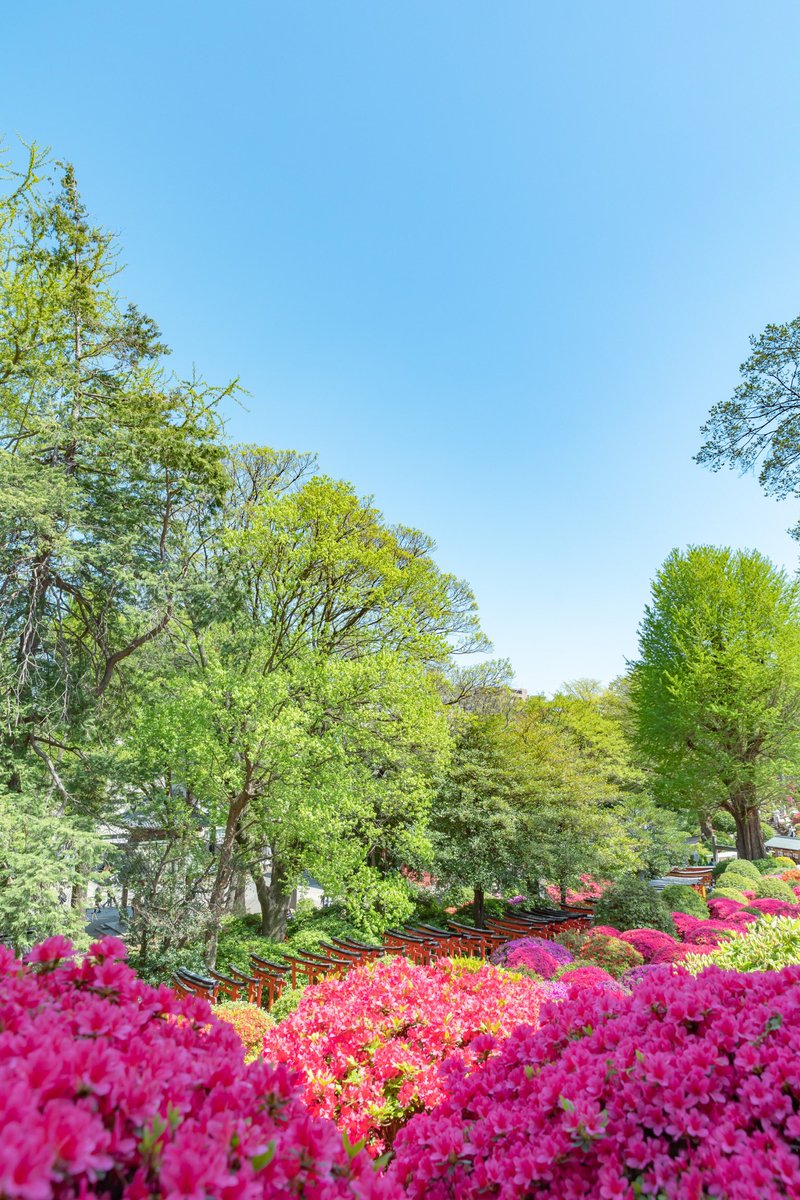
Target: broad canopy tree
column 716, row 690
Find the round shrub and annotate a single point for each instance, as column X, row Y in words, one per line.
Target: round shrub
column 370, row 1046
column 682, row 1088
column 679, row 898
column 611, row 953
column 536, row 959
column 560, row 953
column 648, row 942
column 580, row 975
column 774, row 889
column 741, row 866
column 249, row 1022
column 633, row 904
column 287, row 1002
column 781, row 860
column 764, row 864
column 791, row 877
column 731, row 893
column 111, row 1088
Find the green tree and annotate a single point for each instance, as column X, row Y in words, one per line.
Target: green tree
column 716, row 690
column 759, row 427
column 477, row 821
column 102, row 457
column 303, row 690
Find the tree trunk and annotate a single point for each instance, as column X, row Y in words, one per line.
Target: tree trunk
column 275, row 900
column 237, row 903
column 749, row 839
column 224, row 876
column 479, row 907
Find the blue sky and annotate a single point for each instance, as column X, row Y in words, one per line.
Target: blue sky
column 493, row 262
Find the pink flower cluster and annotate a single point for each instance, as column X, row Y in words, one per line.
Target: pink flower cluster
column 533, row 958
column 111, row 1088
column 649, row 942
column 708, row 931
column 589, row 889
column 370, row 1045
column 685, row 1088
column 502, row 955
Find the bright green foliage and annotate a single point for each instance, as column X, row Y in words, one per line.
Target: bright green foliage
column 633, row 904
column 767, row 945
column 716, row 692
column 741, row 866
column 774, row 889
column 478, row 829
column 731, row 893
column 679, row 898
column 41, row 857
column 781, row 860
column 759, row 426
column 287, row 1002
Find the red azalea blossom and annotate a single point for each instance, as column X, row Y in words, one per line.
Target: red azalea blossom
column 370, row 1045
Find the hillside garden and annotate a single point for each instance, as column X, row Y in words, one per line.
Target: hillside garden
column 225, row 673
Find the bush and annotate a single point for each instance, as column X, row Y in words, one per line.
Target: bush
column 774, row 889
column 370, row 1045
column 633, row 904
column 680, row 898
column 768, row 945
column 741, row 866
column 731, row 893
column 764, row 864
column 774, row 908
column 249, row 1022
column 580, row 975
column 111, row 1088
column 737, row 880
column 611, row 953
column 649, row 942
column 781, row 860
column 287, row 1002
column 680, row 1089
column 536, row 959
column 558, row 951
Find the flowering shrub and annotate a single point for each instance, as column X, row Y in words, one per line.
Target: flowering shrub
column 535, row 959
column 589, row 889
column 555, row 949
column 370, row 1045
column 249, row 1022
column 648, row 941
column 791, row 877
column 112, row 1088
column 610, row 953
column 682, row 1089
column 636, row 975
column 775, row 908
column 585, row 975
column 610, row 930
column 678, row 953
column 772, row 943
column 702, row 933
column 782, row 860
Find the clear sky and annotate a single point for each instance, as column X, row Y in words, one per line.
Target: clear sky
column 492, row 261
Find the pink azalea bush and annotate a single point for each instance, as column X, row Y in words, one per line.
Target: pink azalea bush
column 685, row 1088
column 648, row 942
column 111, row 1088
column 370, row 1045
column 533, row 958
column 556, row 950
column 580, row 976
column 589, row 889
column 775, row 908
